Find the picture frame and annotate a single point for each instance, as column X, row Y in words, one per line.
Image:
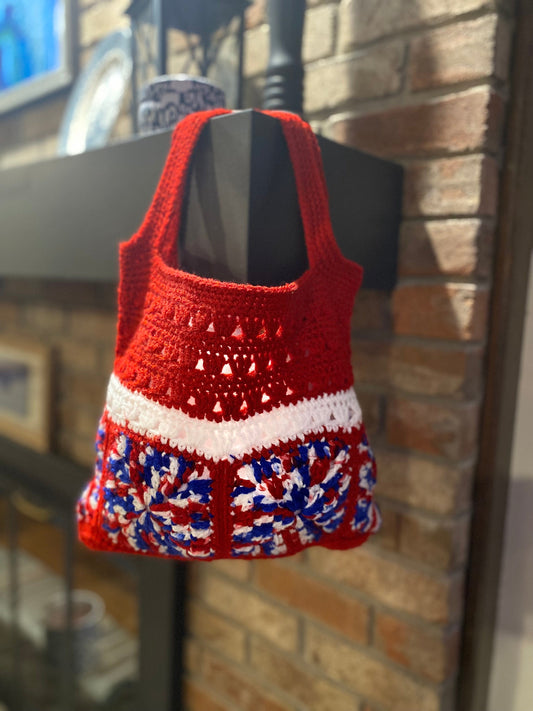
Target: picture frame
column 37, row 43
column 25, row 392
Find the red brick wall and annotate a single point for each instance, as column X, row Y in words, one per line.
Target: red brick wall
column 423, row 82
column 77, row 321
column 378, row 629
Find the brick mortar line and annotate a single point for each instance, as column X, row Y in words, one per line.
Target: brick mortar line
column 458, row 570
column 389, row 333
column 445, row 344
column 443, row 280
column 431, row 514
column 383, row 332
column 250, row 585
column 439, row 400
column 304, row 617
column 454, row 569
column 220, row 697
column 372, row 652
column 413, row 565
column 336, row 26
column 403, row 70
column 250, row 571
column 424, row 97
column 478, row 152
column 491, row 220
column 447, row 685
column 490, row 9
column 391, row 393
column 426, row 26
column 379, row 607
column 402, row 508
column 442, row 460
column 304, row 665
column 43, row 282
column 256, row 679
column 326, row 117
column 466, row 462
column 468, row 347
column 486, row 220
column 247, row 641
column 371, row 631
column 201, row 681
column 197, row 598
column 301, row 631
column 349, row 55
column 210, row 647
column 354, row 594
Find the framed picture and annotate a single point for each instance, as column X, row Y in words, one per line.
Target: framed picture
column 25, row 376
column 36, row 49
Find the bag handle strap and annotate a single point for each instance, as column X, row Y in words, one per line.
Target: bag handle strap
column 162, row 222
column 169, row 194
column 308, row 168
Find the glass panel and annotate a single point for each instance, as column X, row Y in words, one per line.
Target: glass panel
column 104, row 669
column 216, row 58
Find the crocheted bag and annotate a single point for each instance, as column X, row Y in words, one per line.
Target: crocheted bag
column 231, row 428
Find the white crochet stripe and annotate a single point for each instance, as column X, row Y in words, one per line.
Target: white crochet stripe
column 234, row 438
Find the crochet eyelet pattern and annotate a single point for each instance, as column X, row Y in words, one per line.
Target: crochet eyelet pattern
column 231, row 428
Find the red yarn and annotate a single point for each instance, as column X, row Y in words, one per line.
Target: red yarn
column 207, row 351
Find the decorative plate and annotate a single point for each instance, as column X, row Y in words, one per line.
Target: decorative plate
column 97, row 96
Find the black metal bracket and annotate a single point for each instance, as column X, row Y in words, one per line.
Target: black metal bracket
column 57, row 483
column 162, row 598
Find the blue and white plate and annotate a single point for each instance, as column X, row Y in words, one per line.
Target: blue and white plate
column 96, row 99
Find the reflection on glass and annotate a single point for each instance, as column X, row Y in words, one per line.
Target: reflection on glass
column 14, row 383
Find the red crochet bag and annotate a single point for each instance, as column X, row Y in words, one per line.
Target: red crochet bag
column 231, row 427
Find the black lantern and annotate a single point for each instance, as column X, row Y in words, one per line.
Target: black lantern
column 203, row 23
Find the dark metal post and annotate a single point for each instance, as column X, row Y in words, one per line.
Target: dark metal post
column 161, row 628
column 14, row 589
column 284, row 77
column 68, row 669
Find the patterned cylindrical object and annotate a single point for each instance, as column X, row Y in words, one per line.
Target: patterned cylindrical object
column 167, row 99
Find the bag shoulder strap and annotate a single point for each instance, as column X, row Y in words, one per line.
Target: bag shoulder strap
column 308, row 168
column 160, row 228
column 164, row 217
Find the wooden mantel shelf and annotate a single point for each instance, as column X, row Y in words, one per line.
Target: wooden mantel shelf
column 63, row 218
